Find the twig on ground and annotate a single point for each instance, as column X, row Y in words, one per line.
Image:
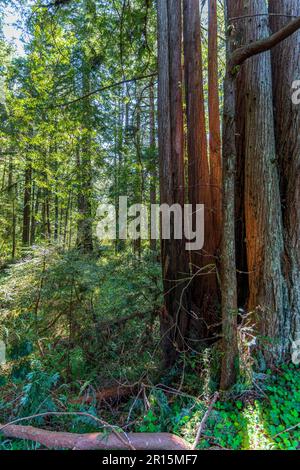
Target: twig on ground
column 204, row 420
column 287, row 430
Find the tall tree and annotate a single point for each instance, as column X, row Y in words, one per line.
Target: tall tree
column 84, row 158
column 287, row 124
column 214, row 118
column 259, row 92
column 264, row 236
column 204, row 286
column 175, row 318
column 153, row 153
column 229, row 303
column 236, row 37
column 27, row 203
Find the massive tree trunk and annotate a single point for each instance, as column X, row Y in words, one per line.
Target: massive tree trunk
column 264, row 236
column 287, row 120
column 204, row 287
column 175, row 320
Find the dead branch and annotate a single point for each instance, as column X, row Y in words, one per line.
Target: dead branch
column 204, row 420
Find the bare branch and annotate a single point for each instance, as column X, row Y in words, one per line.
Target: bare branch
column 108, row 87
column 204, row 420
column 246, row 52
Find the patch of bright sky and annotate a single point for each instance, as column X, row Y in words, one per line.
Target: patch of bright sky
column 12, row 32
column 12, row 29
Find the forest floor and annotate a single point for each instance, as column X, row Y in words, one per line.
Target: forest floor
column 77, row 326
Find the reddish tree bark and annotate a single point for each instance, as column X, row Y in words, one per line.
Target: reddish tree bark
column 152, row 143
column 175, row 319
column 264, row 242
column 264, row 236
column 236, row 37
column 204, row 288
column 214, row 119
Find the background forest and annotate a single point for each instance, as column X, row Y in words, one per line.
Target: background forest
column 162, row 101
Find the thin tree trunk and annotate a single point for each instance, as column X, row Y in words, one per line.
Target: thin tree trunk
column 153, row 163
column 139, row 190
column 56, row 220
column 66, row 220
column 35, row 211
column 12, row 199
column 48, row 219
column 27, row 204
column 85, row 220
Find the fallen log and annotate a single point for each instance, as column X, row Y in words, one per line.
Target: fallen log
column 94, row 441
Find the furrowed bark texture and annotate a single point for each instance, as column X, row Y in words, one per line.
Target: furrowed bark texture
column 237, row 39
column 175, row 318
column 215, row 157
column 264, row 236
column 228, row 260
column 153, row 172
column 205, row 292
column 286, row 69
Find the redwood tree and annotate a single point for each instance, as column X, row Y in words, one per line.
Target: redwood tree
column 214, row 118
column 175, row 317
column 204, row 287
column 264, row 235
column 287, row 125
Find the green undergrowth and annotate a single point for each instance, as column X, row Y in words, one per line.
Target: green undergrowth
column 57, row 311
column 243, row 422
